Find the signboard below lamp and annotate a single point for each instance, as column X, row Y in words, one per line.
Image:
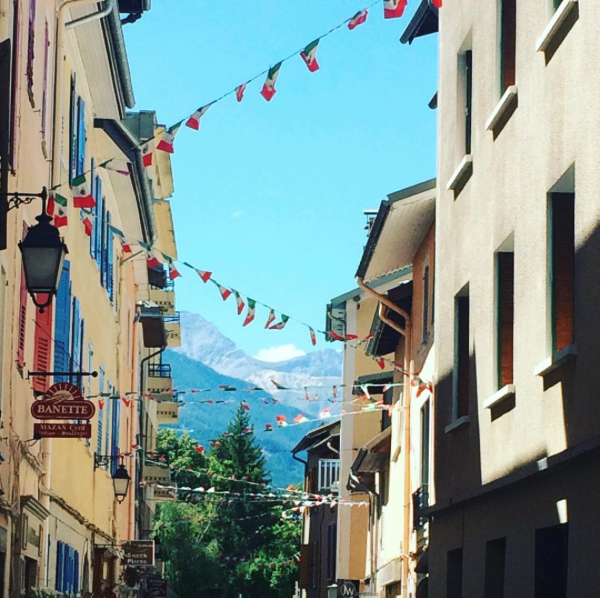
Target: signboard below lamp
column 43, row 253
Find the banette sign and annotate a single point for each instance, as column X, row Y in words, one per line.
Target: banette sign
column 63, row 401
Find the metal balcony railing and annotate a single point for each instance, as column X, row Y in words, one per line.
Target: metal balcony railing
column 420, row 506
column 329, row 475
column 159, row 370
column 174, row 318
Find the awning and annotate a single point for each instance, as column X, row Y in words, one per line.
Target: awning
column 398, row 231
column 375, row 455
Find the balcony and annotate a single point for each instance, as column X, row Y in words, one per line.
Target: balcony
column 159, row 382
column 157, row 473
column 167, row 412
column 164, row 298
column 173, row 328
column 329, row 476
column 153, row 327
column 165, row 494
column 420, row 507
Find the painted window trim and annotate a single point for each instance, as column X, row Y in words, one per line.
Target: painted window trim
column 552, row 363
column 510, row 390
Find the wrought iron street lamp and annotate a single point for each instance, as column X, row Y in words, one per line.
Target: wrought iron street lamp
column 121, row 481
column 43, row 253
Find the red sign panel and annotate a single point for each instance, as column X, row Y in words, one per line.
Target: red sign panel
column 63, row 401
column 62, row 430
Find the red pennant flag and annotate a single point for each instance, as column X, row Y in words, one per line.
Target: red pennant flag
column 225, row 293
column 101, row 404
column 199, row 449
column 271, row 318
column 127, row 402
column 313, row 336
column 268, row 90
column 393, row 9
column 153, row 262
column 309, row 55
column 239, row 92
column 245, row 406
column 173, row 272
column 358, row 19
column 204, row 275
column 335, row 336
column 351, row 337
column 146, row 156
column 381, row 363
column 126, row 247
column 194, row 121
column 240, row 303
column 268, row 427
column 87, row 224
column 436, row 3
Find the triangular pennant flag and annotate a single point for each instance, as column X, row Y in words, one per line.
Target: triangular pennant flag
column 240, row 303
column 153, row 262
column 127, row 402
column 436, row 3
column 239, row 91
column 392, row 9
column 245, row 406
column 193, row 121
column 225, row 293
column 87, row 225
column 358, row 19
column 281, row 421
column 173, row 272
column 271, row 318
column 350, row 337
column 381, row 363
column 280, row 325
column 309, row 55
column 204, row 275
column 313, row 336
column 101, row 404
column 57, row 208
column 268, row 428
column 268, row 90
column 168, row 139
column 82, row 195
column 146, row 156
column 335, row 336
column 300, row 419
column 251, row 311
column 324, row 413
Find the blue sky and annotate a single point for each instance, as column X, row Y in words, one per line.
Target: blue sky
column 270, row 196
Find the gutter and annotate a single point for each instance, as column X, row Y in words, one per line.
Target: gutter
column 128, row 143
column 118, row 41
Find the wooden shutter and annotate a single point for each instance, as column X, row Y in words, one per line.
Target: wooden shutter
column 42, row 349
column 463, row 355
column 76, row 573
column 31, row 51
column 73, row 129
column 116, row 421
column 425, row 303
column 100, row 410
column 22, row 321
column 110, row 259
column 98, row 221
column 508, row 43
column 103, row 248
column 425, row 427
column 506, row 317
column 80, row 167
column 75, row 365
column 44, row 114
column 95, row 188
column 62, row 324
column 563, row 268
column 59, row 567
column 109, row 409
column 80, row 384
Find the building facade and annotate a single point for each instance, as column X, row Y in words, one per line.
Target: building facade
column 517, row 234
column 66, row 87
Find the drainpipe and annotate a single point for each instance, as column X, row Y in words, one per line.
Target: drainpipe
column 108, row 6
column 59, row 74
column 408, row 367
column 331, row 448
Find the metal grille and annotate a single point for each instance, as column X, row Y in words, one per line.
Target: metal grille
column 329, row 474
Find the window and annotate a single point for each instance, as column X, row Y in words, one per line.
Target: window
column 556, row 3
column 331, row 551
column 81, row 133
column 73, row 129
column 505, row 316
column 44, row 115
column 76, row 357
column 468, row 80
column 462, row 356
column 67, row 569
column 97, row 193
column 15, row 86
column 495, row 568
column 425, row 423
column 454, row 574
column 62, row 324
column 508, row 43
column 31, row 51
column 551, row 561
column 426, row 304
column 562, row 269
column 116, row 420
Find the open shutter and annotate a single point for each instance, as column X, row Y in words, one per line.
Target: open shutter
column 304, row 580
column 116, row 420
column 14, row 96
column 98, row 221
column 81, row 353
column 73, row 130
column 59, row 567
column 75, row 366
column 22, row 321
column 425, row 303
column 100, row 410
column 62, row 325
column 96, row 191
column 76, row 573
column 103, row 248
column 110, row 252
column 42, row 348
column 44, row 114
column 110, row 406
column 80, row 136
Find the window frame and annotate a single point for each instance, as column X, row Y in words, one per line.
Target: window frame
column 499, row 324
column 457, row 404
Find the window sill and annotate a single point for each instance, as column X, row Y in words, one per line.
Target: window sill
column 560, row 16
column 510, row 95
column 504, row 393
column 459, row 176
column 552, row 363
column 461, row 421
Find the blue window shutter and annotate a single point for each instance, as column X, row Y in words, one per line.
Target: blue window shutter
column 80, row 136
column 76, row 573
column 110, row 251
column 62, row 324
column 110, row 405
column 95, row 239
column 75, row 341
column 73, row 130
column 93, row 190
column 48, row 546
column 81, row 353
column 103, row 248
column 100, row 411
column 59, row 567
column 116, row 420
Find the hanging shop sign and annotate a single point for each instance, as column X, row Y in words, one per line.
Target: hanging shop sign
column 56, row 430
column 157, row 588
column 138, row 552
column 348, row 588
column 63, row 401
